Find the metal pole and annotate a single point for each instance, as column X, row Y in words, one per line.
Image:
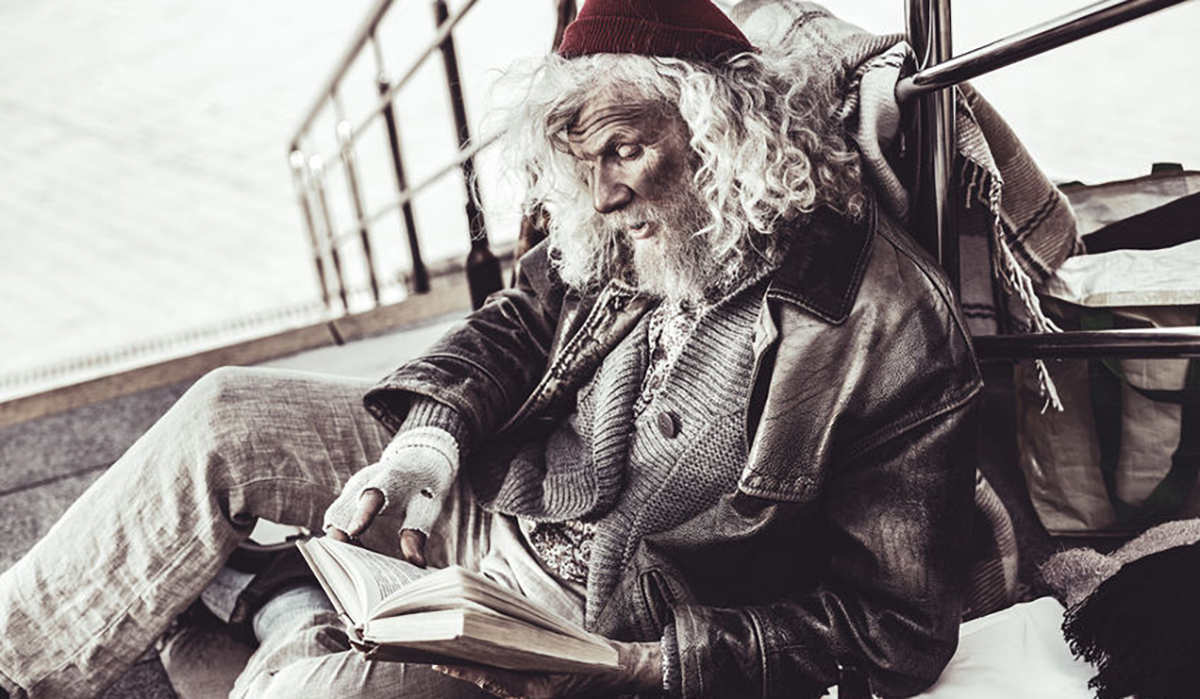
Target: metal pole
column 483, row 269
column 1126, row 344
column 347, row 155
column 296, row 158
column 399, row 82
column 317, row 181
column 566, row 14
column 419, row 272
column 1031, row 42
column 366, row 30
column 935, row 223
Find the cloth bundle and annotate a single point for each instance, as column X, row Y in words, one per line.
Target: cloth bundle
column 1134, row 614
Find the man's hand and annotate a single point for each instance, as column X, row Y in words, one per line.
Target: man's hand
column 640, row 671
column 414, row 475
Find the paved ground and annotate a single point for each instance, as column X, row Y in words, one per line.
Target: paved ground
column 46, row 464
column 145, row 187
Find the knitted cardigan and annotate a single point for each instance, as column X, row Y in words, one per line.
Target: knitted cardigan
column 632, row 475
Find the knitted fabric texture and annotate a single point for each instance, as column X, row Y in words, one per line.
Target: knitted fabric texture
column 1076, row 573
column 415, row 474
column 565, row 547
column 670, row 326
column 626, row 473
column 694, row 29
column 427, row 412
column 1014, row 225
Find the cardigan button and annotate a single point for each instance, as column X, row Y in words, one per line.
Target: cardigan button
column 668, row 424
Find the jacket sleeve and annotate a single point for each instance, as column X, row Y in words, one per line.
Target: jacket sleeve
column 890, row 598
column 487, row 363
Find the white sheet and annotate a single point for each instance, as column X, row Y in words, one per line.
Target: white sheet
column 1015, row 653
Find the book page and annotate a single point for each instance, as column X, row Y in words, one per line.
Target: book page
column 383, row 574
column 458, row 587
column 486, row 637
column 335, row 580
column 376, row 575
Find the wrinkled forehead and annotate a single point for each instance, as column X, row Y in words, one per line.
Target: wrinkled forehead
column 594, row 122
column 616, row 109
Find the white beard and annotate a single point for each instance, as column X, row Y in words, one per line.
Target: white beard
column 673, row 264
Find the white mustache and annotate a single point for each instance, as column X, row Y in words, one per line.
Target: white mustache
column 620, row 223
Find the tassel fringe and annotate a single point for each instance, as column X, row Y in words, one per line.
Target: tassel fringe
column 1015, row 279
column 1141, row 628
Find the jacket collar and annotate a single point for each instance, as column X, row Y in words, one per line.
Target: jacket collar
column 824, row 267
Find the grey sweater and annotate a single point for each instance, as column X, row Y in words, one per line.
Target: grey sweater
column 633, row 476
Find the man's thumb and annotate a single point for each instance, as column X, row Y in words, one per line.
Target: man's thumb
column 412, row 546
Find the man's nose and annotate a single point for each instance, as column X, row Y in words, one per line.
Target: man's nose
column 609, row 193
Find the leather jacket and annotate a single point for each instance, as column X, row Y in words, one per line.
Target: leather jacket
column 844, row 542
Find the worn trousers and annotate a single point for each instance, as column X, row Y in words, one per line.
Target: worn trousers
column 142, row 543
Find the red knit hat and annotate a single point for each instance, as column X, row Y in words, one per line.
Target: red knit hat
column 695, row 29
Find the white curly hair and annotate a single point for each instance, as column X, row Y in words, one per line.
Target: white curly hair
column 766, row 150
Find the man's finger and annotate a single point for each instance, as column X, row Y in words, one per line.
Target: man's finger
column 412, row 546
column 337, row 534
column 369, row 505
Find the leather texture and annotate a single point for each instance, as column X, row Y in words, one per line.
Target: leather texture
column 844, row 542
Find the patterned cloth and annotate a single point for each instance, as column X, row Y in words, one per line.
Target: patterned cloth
column 564, row 547
column 670, row 325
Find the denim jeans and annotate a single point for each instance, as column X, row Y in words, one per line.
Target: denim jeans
column 148, row 536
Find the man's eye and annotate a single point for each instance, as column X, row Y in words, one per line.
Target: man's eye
column 628, row 151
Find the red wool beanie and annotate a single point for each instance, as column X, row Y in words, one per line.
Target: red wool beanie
column 695, row 29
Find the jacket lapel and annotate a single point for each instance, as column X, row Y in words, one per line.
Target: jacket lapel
column 616, row 311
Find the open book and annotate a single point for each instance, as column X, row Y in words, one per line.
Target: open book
column 402, row 612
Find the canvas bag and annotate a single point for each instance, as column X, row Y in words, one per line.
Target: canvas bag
column 1125, row 451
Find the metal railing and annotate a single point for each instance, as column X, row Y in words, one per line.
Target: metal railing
column 929, row 34
column 933, row 134
column 310, row 170
column 934, row 190
column 1082, row 23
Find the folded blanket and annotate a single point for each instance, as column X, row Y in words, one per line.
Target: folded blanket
column 1015, row 227
column 1133, row 613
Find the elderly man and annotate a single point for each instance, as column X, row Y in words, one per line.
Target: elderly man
column 723, row 419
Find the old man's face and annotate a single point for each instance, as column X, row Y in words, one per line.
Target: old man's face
column 634, row 158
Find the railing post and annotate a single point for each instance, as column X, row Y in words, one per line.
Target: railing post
column 419, row 272
column 566, row 14
column 296, row 159
column 935, row 223
column 346, row 141
column 483, row 269
column 317, row 180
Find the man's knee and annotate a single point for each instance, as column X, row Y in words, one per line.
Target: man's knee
column 228, row 387
column 220, row 416
column 225, row 402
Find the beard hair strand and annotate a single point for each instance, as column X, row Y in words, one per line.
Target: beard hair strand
column 675, row 264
